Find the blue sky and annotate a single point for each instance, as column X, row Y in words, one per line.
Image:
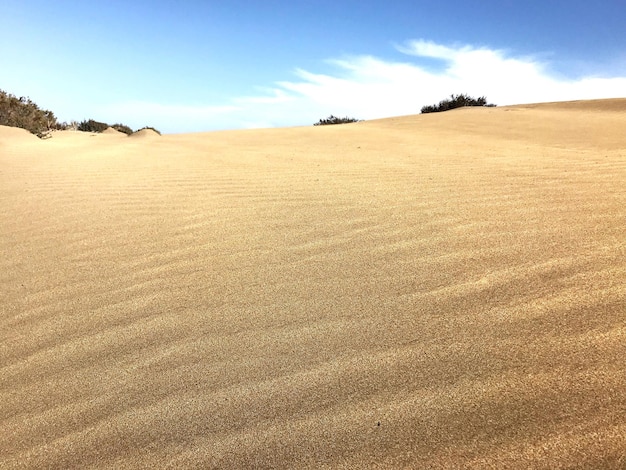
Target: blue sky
column 188, row 66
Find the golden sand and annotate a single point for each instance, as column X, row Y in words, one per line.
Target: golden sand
column 432, row 291
column 112, row 131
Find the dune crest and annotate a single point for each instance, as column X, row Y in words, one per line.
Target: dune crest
column 15, row 134
column 112, row 131
column 431, row 291
column 145, row 133
column 604, row 105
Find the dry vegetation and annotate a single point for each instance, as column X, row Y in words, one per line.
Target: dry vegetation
column 25, row 114
column 434, row 291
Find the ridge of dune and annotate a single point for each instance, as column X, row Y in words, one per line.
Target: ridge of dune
column 579, row 124
column 112, row 131
column 16, row 134
column 603, row 105
column 430, row 291
column 145, row 133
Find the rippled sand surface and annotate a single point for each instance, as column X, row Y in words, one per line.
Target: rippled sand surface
column 432, row 291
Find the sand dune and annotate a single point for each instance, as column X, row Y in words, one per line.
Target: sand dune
column 14, row 134
column 112, row 131
column 432, row 291
column 144, row 133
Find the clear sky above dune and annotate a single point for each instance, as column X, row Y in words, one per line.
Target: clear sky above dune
column 204, row 65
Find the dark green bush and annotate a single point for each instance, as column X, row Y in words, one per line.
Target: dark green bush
column 92, row 126
column 334, row 120
column 22, row 112
column 122, row 128
column 456, row 101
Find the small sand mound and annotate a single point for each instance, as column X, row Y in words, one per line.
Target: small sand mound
column 14, row 134
column 145, row 133
column 111, row 131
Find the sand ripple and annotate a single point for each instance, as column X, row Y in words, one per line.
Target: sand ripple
column 440, row 291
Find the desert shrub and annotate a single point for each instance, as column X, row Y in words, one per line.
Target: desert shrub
column 92, row 126
column 66, row 126
column 122, row 128
column 335, row 120
column 149, row 128
column 456, row 101
column 24, row 113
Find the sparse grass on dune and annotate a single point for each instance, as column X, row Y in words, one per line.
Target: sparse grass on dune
column 431, row 291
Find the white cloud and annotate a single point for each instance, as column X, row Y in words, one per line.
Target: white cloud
column 422, row 48
column 368, row 87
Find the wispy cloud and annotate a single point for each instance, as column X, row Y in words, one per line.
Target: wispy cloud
column 368, row 87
